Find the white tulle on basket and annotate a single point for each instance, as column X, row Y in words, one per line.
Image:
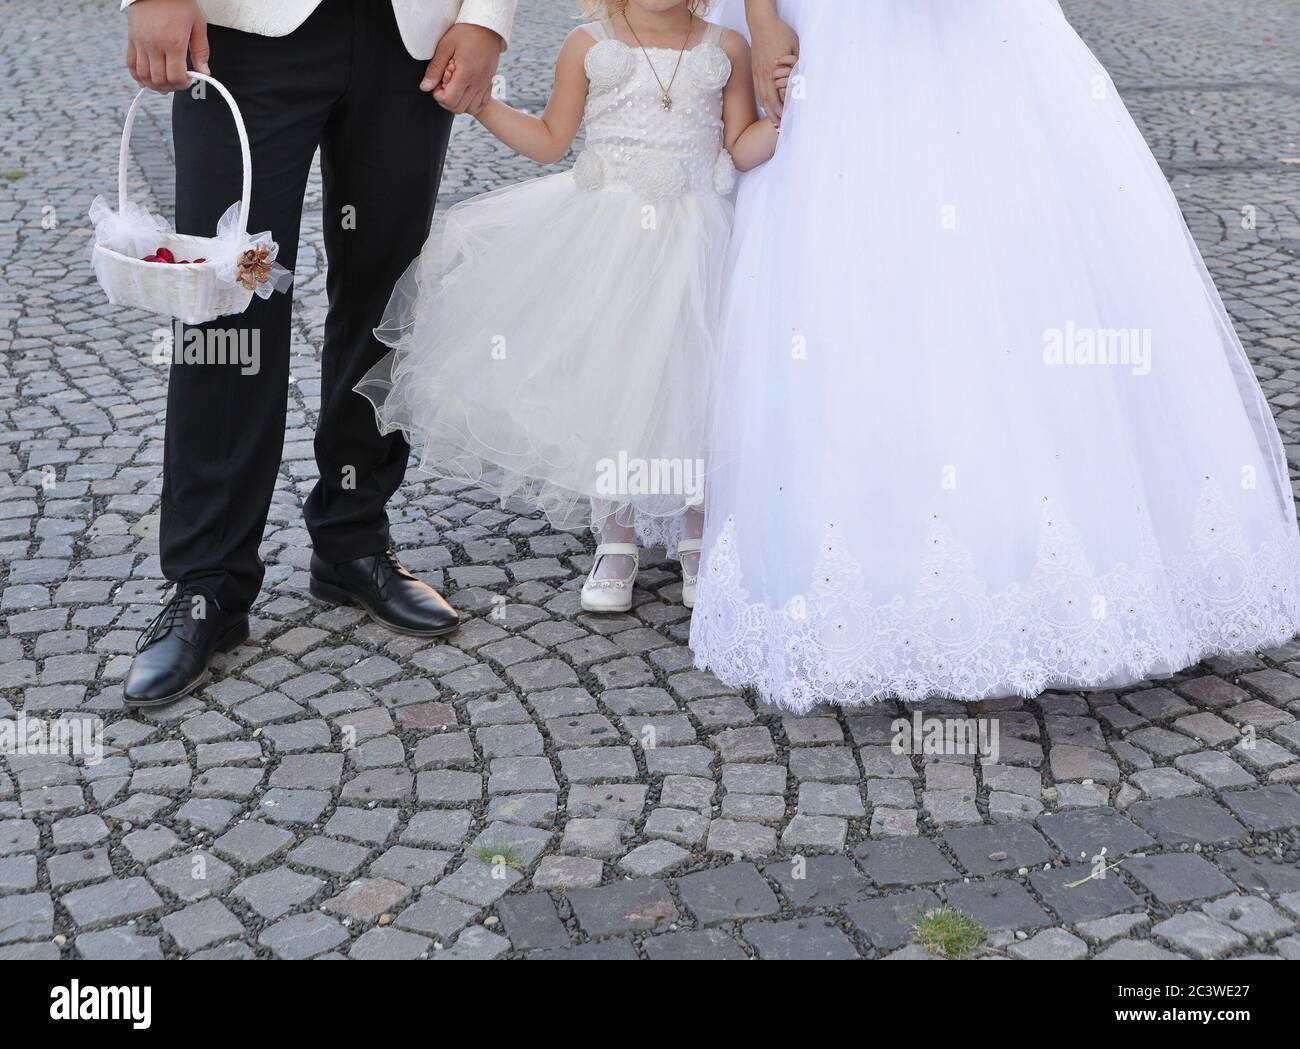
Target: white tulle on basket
column 210, row 277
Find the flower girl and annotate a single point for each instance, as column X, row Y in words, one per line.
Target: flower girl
column 554, row 341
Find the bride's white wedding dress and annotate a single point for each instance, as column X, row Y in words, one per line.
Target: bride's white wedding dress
column 985, row 425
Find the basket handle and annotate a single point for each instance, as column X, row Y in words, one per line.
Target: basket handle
column 124, row 156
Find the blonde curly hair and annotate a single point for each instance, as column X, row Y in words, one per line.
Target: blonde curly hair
column 612, row 8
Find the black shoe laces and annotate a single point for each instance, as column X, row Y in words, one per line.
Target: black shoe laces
column 173, row 614
column 385, row 569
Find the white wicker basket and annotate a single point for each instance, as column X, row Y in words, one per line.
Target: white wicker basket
column 193, row 293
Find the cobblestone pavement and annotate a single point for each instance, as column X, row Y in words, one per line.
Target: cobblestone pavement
column 339, row 790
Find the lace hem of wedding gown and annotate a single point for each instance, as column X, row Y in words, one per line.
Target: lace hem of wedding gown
column 1065, row 627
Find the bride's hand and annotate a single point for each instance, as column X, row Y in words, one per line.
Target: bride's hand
column 776, row 45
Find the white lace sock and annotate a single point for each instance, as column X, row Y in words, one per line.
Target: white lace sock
column 692, row 528
column 612, row 529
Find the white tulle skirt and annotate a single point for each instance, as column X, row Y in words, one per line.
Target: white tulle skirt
column 556, row 346
column 983, row 424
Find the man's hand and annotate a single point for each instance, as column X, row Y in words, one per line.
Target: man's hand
column 159, row 34
column 776, row 45
column 471, row 53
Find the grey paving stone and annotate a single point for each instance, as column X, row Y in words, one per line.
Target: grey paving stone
column 1177, row 821
column 252, row 842
column 829, row 799
column 27, row 916
column 1081, row 893
column 1198, row 934
column 997, row 904
column 1268, row 872
column 531, row 922
column 654, row 857
column 904, row 862
column 411, row 866
column 293, row 806
column 1081, row 835
column 275, row 892
column 1104, row 930
column 602, row 838
column 803, row 939
column 532, row 809
column 619, row 801
column 303, row 936
column 1267, row 808
column 1050, row 945
column 562, row 873
column 367, row 899
column 1214, row 769
column 887, row 922
column 437, row 915
column 1137, row 951
column 727, row 893
column 602, row 951
column 479, row 883
column 741, row 840
column 986, row 850
column 110, row 900
column 388, row 944
column 1249, row 915
column 121, row 944
column 1178, row 877
column 641, row 905
column 823, row 765
column 201, row 925
column 192, row 876
column 329, row 856
column 693, row 945
column 819, row 881
column 813, row 832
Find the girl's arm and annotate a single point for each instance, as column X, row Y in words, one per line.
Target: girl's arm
column 751, row 141
column 775, row 45
column 548, row 138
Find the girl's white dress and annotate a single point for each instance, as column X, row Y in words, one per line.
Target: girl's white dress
column 555, row 340
column 983, row 425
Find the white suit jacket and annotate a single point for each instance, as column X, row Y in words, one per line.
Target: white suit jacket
column 421, row 22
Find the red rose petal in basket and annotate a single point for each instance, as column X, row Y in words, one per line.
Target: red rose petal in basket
column 151, row 258
column 165, row 254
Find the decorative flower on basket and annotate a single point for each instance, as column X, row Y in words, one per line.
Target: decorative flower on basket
column 140, row 261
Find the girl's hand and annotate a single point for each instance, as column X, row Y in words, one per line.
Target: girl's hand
column 775, row 45
column 782, row 78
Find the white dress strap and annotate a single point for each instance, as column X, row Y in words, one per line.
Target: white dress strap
column 714, row 33
column 598, row 30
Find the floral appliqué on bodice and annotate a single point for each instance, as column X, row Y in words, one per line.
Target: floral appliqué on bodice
column 635, row 143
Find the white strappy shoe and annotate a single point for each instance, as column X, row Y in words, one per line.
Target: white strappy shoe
column 611, row 595
column 689, row 580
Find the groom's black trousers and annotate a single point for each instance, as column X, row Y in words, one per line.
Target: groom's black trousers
column 345, row 83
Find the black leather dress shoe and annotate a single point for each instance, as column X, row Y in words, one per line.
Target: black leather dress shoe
column 393, row 597
column 173, row 652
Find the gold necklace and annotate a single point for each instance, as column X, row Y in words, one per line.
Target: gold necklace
column 665, row 93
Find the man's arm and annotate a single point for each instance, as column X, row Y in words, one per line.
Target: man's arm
column 159, row 34
column 474, row 43
column 497, row 15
